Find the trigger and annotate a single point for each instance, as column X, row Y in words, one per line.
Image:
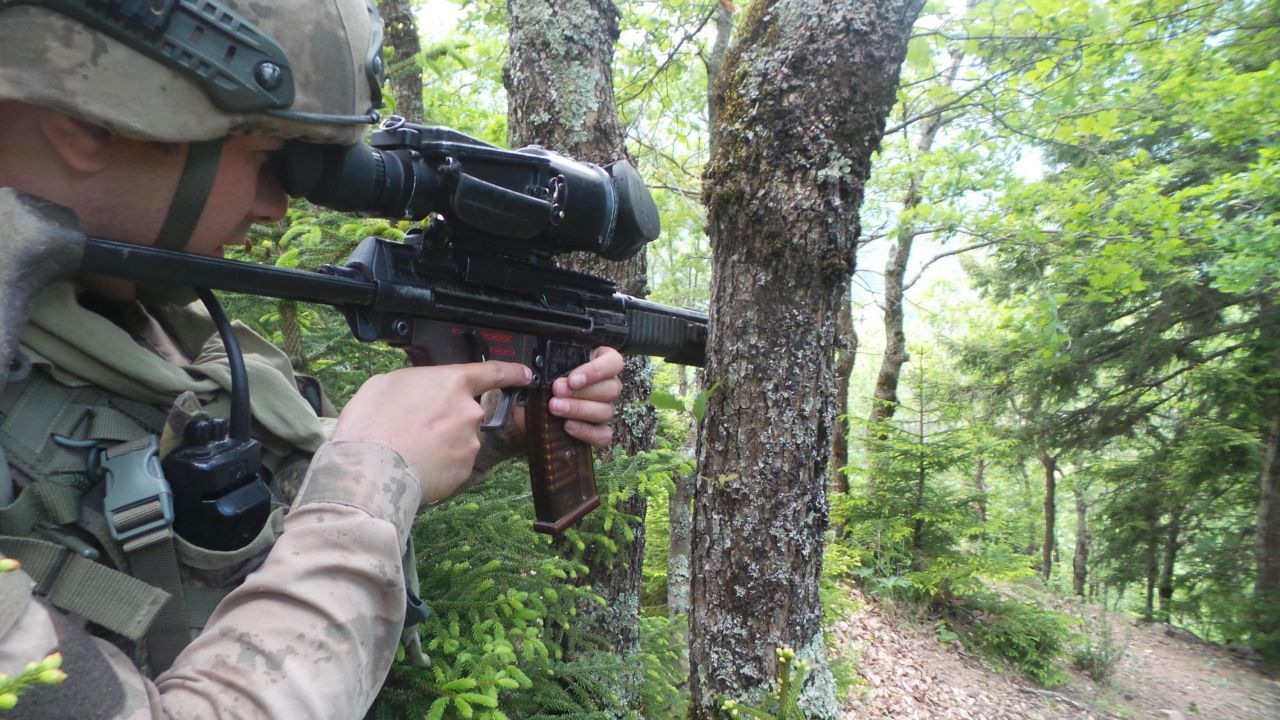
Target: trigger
column 502, row 413
column 479, row 348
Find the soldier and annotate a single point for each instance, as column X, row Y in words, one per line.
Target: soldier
column 118, row 111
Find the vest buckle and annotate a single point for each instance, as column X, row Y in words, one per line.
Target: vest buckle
column 138, row 498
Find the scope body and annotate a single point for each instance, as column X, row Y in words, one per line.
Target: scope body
column 515, row 201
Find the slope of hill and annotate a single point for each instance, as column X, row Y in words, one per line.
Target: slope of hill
column 907, row 672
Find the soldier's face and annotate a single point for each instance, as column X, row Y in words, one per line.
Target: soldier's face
column 245, row 191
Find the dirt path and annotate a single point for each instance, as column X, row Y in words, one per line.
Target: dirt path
column 1166, row 673
column 908, row 673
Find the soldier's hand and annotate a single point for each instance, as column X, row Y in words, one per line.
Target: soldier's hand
column 585, row 397
column 429, row 416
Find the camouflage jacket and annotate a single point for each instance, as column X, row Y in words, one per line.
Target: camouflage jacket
column 310, row 634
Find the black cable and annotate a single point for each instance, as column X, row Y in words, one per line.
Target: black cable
column 239, row 378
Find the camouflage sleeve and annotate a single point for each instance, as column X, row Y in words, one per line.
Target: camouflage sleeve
column 311, row 633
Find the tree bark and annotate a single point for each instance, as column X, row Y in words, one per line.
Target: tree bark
column 847, row 342
column 680, row 503
column 1267, row 540
column 680, row 512
column 1080, row 563
column 884, row 401
column 715, row 62
column 1168, row 557
column 1267, row 587
column 559, row 80
column 404, row 76
column 1050, row 464
column 980, row 485
column 1153, row 571
column 802, row 101
column 292, row 333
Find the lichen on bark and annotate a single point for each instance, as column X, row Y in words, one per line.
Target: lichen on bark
column 560, row 96
column 801, row 103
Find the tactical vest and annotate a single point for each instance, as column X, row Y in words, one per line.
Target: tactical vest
column 85, row 513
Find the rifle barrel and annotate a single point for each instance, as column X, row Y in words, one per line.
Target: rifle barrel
column 178, row 269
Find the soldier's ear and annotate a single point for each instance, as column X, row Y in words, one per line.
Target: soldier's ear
column 82, row 146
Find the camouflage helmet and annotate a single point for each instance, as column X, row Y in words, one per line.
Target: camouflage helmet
column 194, row 70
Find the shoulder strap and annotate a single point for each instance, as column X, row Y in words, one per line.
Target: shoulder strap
column 79, row 585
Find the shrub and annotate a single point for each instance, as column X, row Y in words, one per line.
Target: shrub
column 1098, row 652
column 1028, row 637
column 505, row 604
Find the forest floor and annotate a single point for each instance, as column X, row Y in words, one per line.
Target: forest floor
column 907, row 672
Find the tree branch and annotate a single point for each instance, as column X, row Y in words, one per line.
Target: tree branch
column 949, row 253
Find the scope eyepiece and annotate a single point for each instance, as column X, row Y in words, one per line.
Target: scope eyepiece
column 547, row 201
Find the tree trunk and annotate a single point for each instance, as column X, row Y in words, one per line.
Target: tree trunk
column 847, row 342
column 559, row 80
column 680, row 512
column 1267, row 587
column 715, row 62
column 1050, row 464
column 1153, row 571
column 1267, row 540
column 404, row 76
column 1168, row 557
column 1080, row 564
column 884, row 401
column 801, row 101
column 680, row 503
column 980, row 485
column 292, row 335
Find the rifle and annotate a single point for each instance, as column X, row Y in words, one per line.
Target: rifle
column 478, row 282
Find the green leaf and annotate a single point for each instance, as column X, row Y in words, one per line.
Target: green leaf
column 700, row 403
column 666, row 401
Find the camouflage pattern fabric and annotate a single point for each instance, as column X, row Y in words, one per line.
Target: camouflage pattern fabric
column 310, row 634
column 48, row 59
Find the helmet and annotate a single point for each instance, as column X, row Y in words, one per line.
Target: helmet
column 194, row 70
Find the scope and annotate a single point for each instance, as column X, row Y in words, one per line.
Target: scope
column 532, row 197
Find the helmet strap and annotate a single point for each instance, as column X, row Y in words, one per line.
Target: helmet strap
column 190, row 196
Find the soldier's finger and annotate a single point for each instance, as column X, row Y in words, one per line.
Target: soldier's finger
column 584, row 410
column 485, row 376
column 606, row 390
column 600, row 436
column 605, row 363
